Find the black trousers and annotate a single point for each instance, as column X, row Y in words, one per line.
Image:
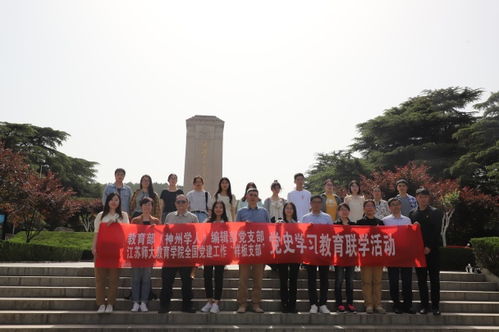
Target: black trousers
column 168, row 277
column 312, row 283
column 288, row 272
column 394, row 275
column 219, row 281
column 433, row 270
column 343, row 273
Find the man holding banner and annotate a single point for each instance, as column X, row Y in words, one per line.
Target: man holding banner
column 168, row 273
column 322, row 218
column 395, row 273
column 429, row 218
column 253, row 214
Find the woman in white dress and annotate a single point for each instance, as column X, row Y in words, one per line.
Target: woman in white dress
column 355, row 201
column 224, row 194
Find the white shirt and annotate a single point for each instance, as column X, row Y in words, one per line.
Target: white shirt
column 228, row 206
column 197, row 200
column 356, row 204
column 391, row 220
column 302, row 201
column 109, row 218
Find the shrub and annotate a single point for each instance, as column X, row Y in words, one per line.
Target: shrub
column 13, row 251
column 487, row 253
column 456, row 258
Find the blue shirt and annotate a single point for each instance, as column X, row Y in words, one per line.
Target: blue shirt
column 257, row 214
column 407, row 204
column 320, row 218
column 125, row 194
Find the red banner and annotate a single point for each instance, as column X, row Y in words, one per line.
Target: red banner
column 120, row 245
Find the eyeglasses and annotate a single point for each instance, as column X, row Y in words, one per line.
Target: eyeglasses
column 181, row 202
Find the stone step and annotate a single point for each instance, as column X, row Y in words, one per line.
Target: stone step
column 232, row 272
column 230, row 293
column 21, row 303
column 245, row 328
column 74, row 281
column 206, row 321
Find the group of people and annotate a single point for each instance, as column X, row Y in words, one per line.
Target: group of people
column 173, row 206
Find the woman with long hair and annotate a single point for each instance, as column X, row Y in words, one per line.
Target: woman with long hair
column 146, row 190
column 224, row 194
column 168, row 197
column 288, row 273
column 355, row 201
column 218, row 214
column 275, row 204
column 107, row 277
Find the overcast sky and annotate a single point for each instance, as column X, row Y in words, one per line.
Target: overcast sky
column 289, row 78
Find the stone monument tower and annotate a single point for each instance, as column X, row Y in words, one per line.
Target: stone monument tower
column 204, row 151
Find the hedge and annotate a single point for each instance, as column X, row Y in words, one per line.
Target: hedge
column 48, row 246
column 80, row 240
column 14, row 252
column 487, row 253
column 456, row 258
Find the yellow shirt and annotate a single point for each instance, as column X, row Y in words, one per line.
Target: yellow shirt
column 331, row 206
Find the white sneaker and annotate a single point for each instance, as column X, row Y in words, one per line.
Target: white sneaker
column 109, row 308
column 215, row 309
column 207, row 307
column 143, row 307
column 135, row 307
column 324, row 310
column 102, row 309
column 314, row 309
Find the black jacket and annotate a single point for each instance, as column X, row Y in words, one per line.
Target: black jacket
column 339, row 222
column 430, row 220
column 370, row 222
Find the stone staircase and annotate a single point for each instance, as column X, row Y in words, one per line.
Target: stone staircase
column 34, row 297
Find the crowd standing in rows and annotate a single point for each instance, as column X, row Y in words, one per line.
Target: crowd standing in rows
column 173, row 206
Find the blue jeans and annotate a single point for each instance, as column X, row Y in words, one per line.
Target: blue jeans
column 201, row 215
column 141, row 283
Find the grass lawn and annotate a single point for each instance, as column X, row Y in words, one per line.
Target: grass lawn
column 82, row 240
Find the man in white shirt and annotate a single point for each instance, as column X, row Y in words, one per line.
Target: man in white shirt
column 317, row 217
column 300, row 197
column 395, row 273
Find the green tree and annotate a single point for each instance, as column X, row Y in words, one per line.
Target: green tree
column 479, row 167
column 39, row 145
column 34, row 202
column 421, row 129
column 340, row 166
column 467, row 212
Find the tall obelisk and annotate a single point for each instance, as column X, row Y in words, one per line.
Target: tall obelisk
column 204, row 151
